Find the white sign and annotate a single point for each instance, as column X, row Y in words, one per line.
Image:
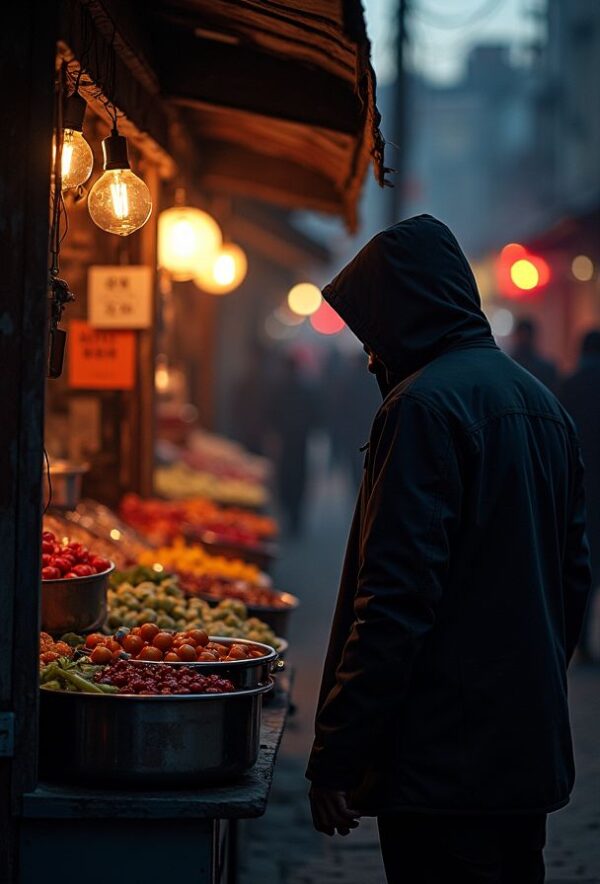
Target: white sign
column 120, row 296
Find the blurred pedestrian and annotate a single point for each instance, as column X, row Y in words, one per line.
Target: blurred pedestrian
column 581, row 398
column 526, row 353
column 443, row 707
column 293, row 415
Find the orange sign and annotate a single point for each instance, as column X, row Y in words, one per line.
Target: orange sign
column 100, row 360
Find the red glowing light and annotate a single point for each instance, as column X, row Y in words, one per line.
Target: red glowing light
column 326, row 321
column 520, row 273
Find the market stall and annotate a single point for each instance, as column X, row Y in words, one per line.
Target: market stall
column 152, row 701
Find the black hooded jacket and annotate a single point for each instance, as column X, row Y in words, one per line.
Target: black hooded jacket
column 467, row 572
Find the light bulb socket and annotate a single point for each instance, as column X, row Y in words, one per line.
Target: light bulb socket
column 73, row 112
column 114, row 149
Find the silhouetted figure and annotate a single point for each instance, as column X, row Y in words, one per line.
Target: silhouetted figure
column 581, row 398
column 525, row 352
column 250, row 403
column 293, row 414
column 443, row 707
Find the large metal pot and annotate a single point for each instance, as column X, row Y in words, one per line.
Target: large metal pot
column 168, row 741
column 245, row 674
column 75, row 605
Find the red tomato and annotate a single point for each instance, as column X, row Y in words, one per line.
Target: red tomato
column 99, row 564
column 148, row 631
column 171, row 657
column 150, row 653
column 70, row 575
column 95, row 638
column 186, row 653
column 163, row 641
column 50, row 573
column 199, row 636
column 45, row 560
column 63, row 565
column 83, row 570
column 101, row 655
column 48, row 547
column 113, row 644
column 133, row 644
column 48, row 536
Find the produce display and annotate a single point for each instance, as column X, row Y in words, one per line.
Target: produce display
column 65, row 559
column 253, row 596
column 64, row 527
column 150, row 643
column 161, row 521
column 129, row 678
column 193, row 561
column 180, row 481
column 123, row 677
column 143, row 595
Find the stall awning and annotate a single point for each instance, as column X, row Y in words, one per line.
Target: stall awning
column 277, row 97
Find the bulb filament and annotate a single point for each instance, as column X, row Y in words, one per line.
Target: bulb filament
column 120, row 200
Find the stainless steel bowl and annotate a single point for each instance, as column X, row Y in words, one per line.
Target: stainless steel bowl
column 65, row 478
column 278, row 618
column 147, row 741
column 245, row 674
column 75, row 605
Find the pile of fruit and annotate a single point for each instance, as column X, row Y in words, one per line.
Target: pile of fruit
column 66, row 560
column 149, row 643
column 143, row 595
column 161, row 521
column 129, row 678
column 180, row 481
column 195, row 562
column 51, row 650
column 254, row 596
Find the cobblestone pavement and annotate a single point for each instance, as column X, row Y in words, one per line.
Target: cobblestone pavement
column 282, row 847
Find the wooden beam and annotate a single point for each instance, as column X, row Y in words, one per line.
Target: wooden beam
column 192, row 69
column 27, row 49
column 231, row 169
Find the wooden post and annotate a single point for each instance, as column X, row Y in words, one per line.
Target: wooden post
column 27, row 50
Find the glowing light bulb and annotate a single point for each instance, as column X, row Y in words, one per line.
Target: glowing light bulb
column 187, row 237
column 224, row 271
column 119, row 202
column 77, row 160
column 304, row 299
column 524, row 274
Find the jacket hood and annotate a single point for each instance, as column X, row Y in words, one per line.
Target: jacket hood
column 410, row 295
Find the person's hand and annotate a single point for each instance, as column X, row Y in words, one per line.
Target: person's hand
column 330, row 811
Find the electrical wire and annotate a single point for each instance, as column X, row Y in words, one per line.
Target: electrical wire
column 49, row 481
column 439, row 20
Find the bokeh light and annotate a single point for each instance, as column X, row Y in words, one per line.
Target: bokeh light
column 326, row 321
column 304, row 298
column 582, row 268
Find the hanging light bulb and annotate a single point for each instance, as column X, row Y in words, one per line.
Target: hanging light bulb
column 223, row 272
column 119, row 202
column 77, row 159
column 187, row 237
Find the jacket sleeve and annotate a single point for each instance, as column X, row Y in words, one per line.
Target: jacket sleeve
column 577, row 575
column 411, row 512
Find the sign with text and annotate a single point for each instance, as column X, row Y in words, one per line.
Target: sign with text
column 120, row 297
column 100, row 359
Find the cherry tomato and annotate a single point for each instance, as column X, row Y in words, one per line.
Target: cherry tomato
column 148, row 631
column 186, row 653
column 133, row 644
column 199, row 636
column 50, row 573
column 163, row 641
column 99, row 564
column 83, row 570
column 206, row 657
column 113, row 644
column 70, row 575
column 101, row 655
column 48, row 536
column 150, row 653
column 62, row 564
column 45, row 560
column 137, row 630
column 171, row 657
column 237, row 652
column 94, row 639
column 47, row 547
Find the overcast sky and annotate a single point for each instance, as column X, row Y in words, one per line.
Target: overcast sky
column 439, row 52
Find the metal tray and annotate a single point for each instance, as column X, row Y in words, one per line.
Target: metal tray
column 149, row 741
column 278, row 618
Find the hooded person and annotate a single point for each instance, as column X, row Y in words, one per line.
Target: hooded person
column 443, row 705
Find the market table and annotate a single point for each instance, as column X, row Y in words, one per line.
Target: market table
column 70, row 832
